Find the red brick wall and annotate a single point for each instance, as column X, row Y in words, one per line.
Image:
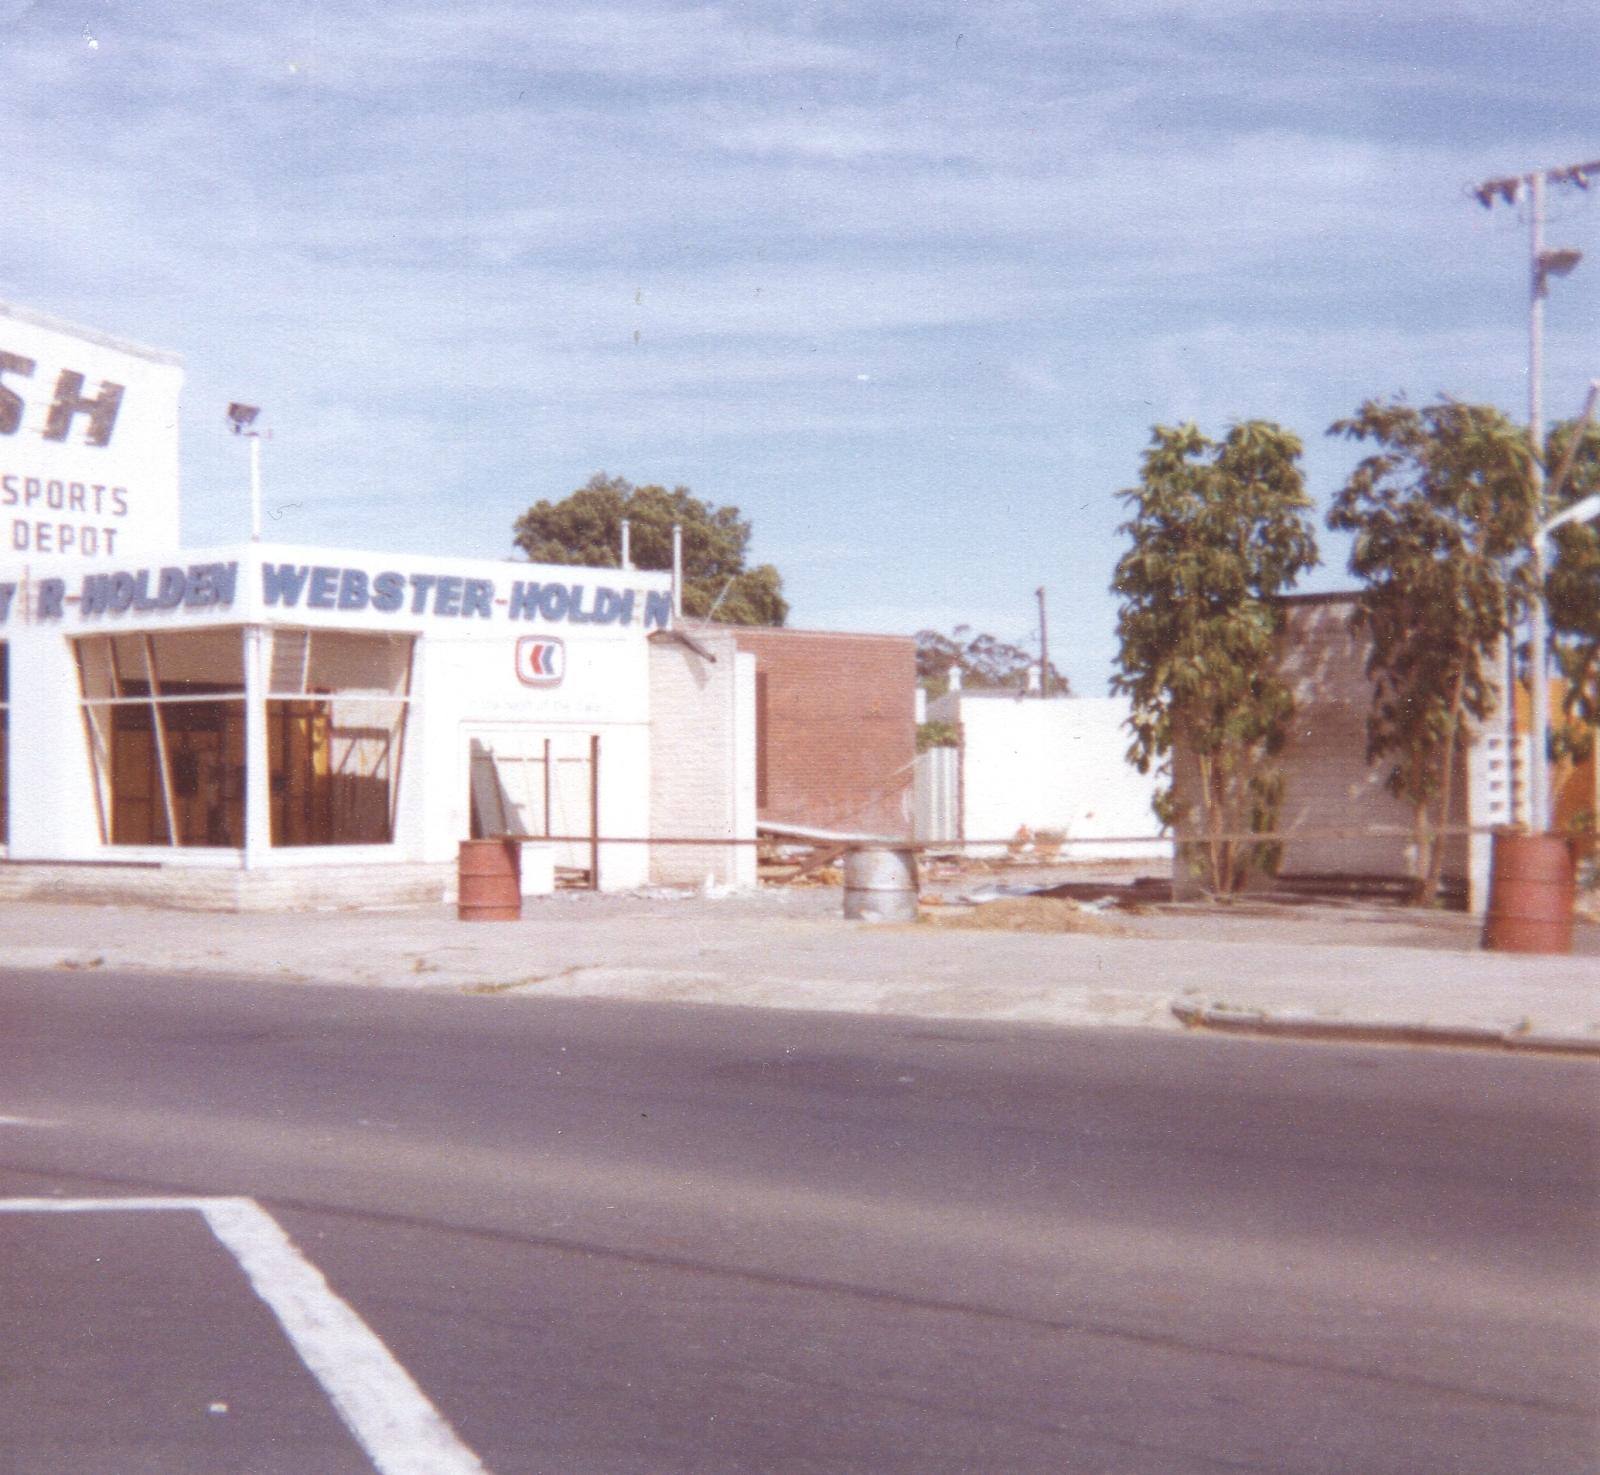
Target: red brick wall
column 836, row 716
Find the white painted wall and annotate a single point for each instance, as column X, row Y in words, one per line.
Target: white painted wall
column 1051, row 765
column 107, row 490
column 744, row 767
column 53, row 813
column 703, row 777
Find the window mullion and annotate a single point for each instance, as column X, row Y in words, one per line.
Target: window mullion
column 148, row 646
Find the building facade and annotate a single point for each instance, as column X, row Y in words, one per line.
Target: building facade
column 268, row 725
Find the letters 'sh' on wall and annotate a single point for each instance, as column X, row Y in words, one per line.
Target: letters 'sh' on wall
column 88, row 444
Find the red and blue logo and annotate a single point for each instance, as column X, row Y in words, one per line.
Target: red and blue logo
column 541, row 660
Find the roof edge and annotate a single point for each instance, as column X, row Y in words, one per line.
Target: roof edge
column 795, row 630
column 89, row 335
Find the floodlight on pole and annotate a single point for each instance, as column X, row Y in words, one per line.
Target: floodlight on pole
column 1556, row 263
column 240, row 419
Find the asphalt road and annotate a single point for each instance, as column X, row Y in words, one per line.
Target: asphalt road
column 623, row 1238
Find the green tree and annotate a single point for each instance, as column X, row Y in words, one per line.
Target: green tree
column 1218, row 530
column 1441, row 512
column 985, row 663
column 1573, row 582
column 586, row 528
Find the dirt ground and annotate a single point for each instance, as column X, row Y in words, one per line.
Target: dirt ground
column 1113, row 900
column 1128, row 905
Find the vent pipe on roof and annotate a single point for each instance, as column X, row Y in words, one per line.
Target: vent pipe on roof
column 677, row 571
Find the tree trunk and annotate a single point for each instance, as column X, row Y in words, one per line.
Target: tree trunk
column 1419, row 828
column 1419, row 840
column 1223, row 821
column 1447, row 778
column 1211, row 820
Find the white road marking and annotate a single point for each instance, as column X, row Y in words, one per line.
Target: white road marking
column 26, row 1121
column 389, row 1415
column 92, row 1205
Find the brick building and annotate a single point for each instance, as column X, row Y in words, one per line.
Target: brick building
column 1338, row 817
column 836, row 738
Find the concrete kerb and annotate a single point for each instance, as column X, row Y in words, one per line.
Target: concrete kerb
column 1297, row 1024
column 795, row 952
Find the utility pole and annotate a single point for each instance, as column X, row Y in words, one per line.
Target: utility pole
column 1542, row 265
column 1044, row 646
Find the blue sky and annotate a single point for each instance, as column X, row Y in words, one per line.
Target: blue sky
column 908, row 283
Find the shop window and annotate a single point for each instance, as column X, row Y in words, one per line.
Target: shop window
column 164, row 717
column 336, row 720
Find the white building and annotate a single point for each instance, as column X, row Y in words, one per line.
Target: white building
column 265, row 725
column 1053, row 766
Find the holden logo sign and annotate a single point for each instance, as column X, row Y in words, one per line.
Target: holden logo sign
column 541, row 660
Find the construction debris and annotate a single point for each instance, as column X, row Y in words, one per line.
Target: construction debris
column 1023, row 914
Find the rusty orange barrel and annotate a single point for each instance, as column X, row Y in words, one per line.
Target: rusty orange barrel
column 489, row 881
column 1531, row 892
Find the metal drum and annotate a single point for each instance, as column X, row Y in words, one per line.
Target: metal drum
column 880, row 885
column 1531, row 892
column 489, row 881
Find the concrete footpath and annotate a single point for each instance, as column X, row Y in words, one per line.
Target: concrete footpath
column 1310, row 971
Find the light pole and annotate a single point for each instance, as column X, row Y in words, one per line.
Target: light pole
column 1542, row 265
column 257, row 676
column 241, row 418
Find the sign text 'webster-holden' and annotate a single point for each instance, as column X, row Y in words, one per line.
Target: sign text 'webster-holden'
column 290, row 586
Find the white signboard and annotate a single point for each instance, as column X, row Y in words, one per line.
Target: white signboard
column 88, row 444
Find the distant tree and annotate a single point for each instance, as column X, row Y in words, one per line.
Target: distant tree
column 986, row 664
column 1218, row 529
column 586, row 528
column 1442, row 512
column 1572, row 584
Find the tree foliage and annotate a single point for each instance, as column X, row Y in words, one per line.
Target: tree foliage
column 586, row 528
column 985, row 663
column 1218, row 529
column 1573, row 581
column 1442, row 511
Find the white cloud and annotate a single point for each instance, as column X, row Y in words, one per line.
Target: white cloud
column 426, row 235
column 371, row 49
